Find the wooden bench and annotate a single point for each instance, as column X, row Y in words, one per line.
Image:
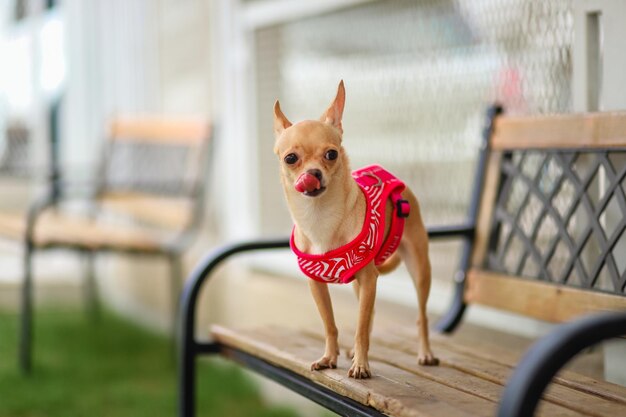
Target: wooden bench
column 545, row 238
column 148, row 200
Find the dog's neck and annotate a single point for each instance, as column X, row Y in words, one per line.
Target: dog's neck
column 330, row 220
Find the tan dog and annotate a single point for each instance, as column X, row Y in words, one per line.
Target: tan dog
column 330, row 213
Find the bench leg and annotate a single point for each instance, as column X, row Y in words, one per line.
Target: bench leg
column 453, row 316
column 187, row 384
column 176, row 271
column 25, row 346
column 92, row 305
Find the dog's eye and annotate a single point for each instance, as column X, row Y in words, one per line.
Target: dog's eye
column 291, row 159
column 331, row 155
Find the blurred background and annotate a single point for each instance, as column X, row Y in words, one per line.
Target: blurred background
column 419, row 76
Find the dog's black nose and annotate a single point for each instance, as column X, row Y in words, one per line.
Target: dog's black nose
column 316, row 173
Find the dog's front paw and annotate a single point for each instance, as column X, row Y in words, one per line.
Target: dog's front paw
column 427, row 359
column 359, row 370
column 324, row 362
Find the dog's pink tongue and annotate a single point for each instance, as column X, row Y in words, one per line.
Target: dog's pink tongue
column 307, row 182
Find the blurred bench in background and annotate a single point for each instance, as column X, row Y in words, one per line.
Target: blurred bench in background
column 147, row 199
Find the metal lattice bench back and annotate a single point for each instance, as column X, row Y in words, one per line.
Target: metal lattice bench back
column 551, row 240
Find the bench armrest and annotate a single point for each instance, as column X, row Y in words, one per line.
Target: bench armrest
column 203, row 271
column 548, row 355
column 447, row 231
column 188, row 346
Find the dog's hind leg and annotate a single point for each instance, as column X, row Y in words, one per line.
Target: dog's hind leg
column 325, row 308
column 414, row 252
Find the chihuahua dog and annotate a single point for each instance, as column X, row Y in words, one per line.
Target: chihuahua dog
column 341, row 220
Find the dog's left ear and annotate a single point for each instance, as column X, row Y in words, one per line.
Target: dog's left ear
column 334, row 113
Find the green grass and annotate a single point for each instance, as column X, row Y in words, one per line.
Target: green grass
column 111, row 369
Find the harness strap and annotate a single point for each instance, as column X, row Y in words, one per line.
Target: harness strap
column 401, row 210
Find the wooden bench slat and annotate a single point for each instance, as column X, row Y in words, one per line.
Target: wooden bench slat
column 392, row 390
column 173, row 213
column 478, row 377
column 398, row 392
column 452, row 372
column 593, row 130
column 536, row 299
column 392, row 356
column 253, row 344
column 383, row 351
column 495, row 354
column 54, row 228
column 486, row 361
column 172, row 131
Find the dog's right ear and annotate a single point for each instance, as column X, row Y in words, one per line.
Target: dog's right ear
column 280, row 121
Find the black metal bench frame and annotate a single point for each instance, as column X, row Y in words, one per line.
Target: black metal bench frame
column 523, row 391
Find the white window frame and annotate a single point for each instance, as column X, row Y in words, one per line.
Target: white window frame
column 599, row 83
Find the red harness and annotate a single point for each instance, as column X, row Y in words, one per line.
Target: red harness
column 339, row 265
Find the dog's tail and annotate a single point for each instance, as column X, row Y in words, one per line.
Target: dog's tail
column 390, row 264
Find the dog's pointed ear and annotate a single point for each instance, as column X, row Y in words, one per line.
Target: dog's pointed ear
column 334, row 113
column 280, row 121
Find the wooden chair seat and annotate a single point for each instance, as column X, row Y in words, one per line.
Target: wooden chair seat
column 469, row 381
column 168, row 212
column 53, row 228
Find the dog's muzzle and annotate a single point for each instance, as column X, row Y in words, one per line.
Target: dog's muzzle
column 309, row 183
